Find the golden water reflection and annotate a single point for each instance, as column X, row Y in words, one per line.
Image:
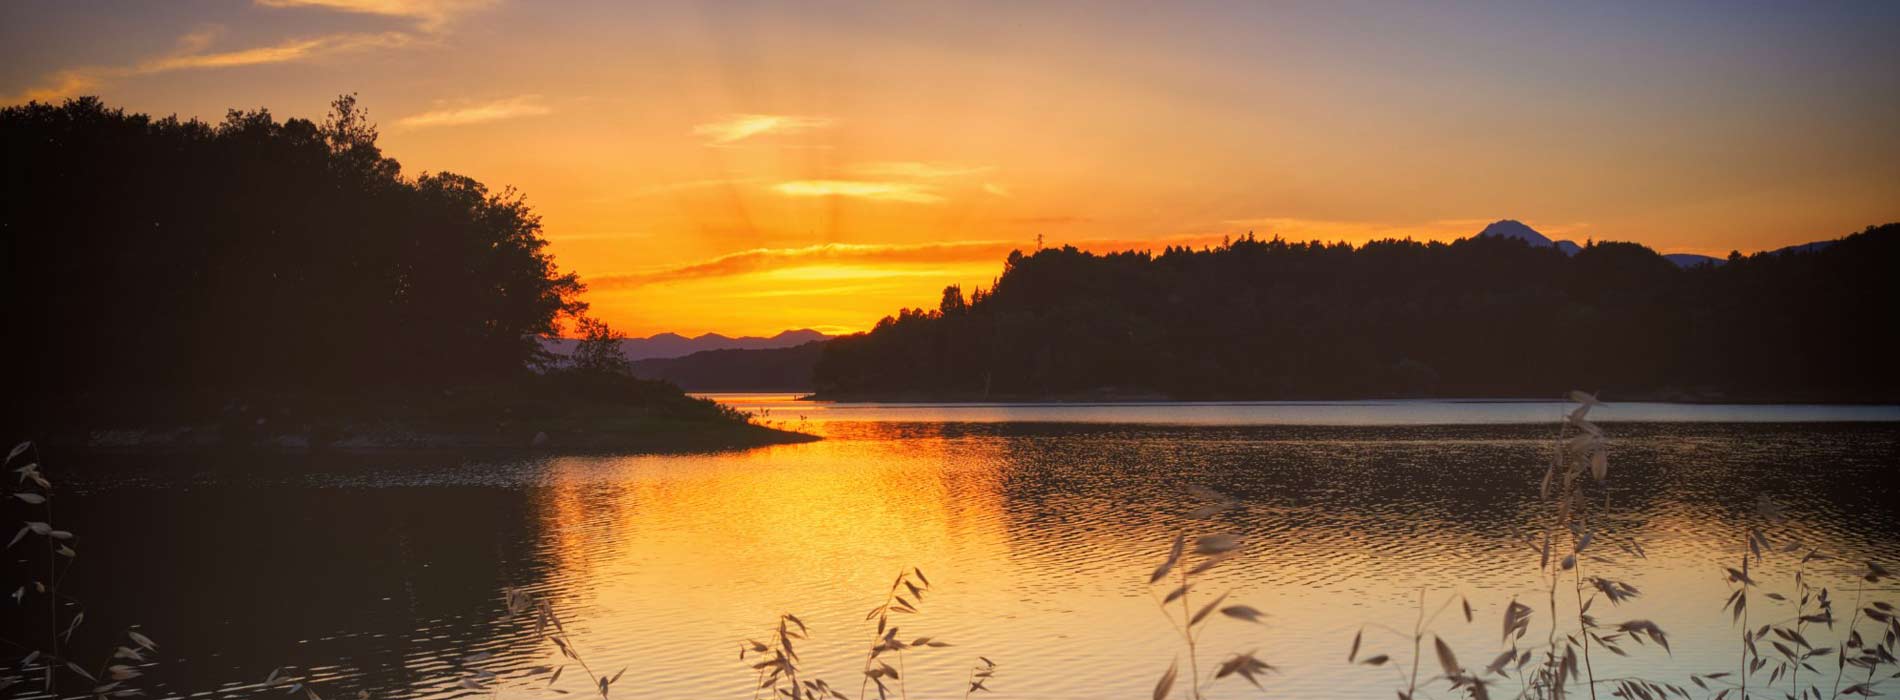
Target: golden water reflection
column 1039, row 541
column 381, row 573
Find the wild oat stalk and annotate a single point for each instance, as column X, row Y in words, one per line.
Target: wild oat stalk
column 283, row 677
column 911, row 582
column 1210, row 551
column 1790, row 644
column 1579, row 458
column 1868, row 657
column 548, row 624
column 1463, row 681
column 1754, row 543
column 780, row 665
column 1793, row 650
column 110, row 677
column 1580, row 449
column 1794, row 658
column 980, row 676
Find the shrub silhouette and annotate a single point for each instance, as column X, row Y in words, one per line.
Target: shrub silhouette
column 149, row 258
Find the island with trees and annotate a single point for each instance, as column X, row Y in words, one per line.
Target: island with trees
column 261, row 282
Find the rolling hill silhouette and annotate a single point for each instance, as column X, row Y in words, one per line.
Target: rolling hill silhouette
column 1518, row 230
column 671, row 345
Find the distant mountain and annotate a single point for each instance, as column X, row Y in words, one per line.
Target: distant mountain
column 1804, row 247
column 1512, row 228
column 667, row 345
column 1692, row 260
column 676, row 345
column 774, row 369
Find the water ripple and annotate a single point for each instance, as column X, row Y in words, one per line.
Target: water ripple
column 383, row 573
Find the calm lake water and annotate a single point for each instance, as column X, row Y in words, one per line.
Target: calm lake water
column 1038, row 526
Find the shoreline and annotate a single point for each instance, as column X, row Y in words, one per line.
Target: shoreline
column 648, row 439
column 1088, row 399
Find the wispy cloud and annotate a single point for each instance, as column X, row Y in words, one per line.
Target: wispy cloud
column 1052, row 220
column 739, row 127
column 65, row 83
column 687, row 185
column 285, row 52
column 884, row 191
column 997, row 190
column 832, row 273
column 431, row 15
column 192, row 54
column 916, row 170
column 498, row 110
column 861, row 260
column 820, row 293
column 193, row 50
column 762, row 259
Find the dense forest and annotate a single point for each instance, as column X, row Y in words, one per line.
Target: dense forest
column 183, row 269
column 761, row 369
column 1490, row 317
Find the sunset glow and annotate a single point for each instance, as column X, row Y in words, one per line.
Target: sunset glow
column 747, row 169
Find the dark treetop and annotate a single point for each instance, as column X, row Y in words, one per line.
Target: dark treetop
column 252, row 252
column 160, row 271
column 1477, row 317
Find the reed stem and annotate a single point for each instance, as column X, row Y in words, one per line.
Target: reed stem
column 1842, row 660
column 1187, row 632
column 1418, row 637
column 1583, row 631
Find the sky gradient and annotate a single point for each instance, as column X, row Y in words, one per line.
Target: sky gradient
column 747, row 168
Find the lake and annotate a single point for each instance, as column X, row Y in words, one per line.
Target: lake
column 1037, row 525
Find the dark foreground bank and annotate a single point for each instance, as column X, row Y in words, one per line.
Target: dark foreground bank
column 565, row 411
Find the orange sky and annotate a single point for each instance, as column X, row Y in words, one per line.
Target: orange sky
column 747, row 168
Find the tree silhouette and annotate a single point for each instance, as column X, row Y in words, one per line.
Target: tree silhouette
column 599, row 348
column 176, row 264
column 1477, row 317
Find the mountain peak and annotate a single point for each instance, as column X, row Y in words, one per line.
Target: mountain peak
column 1518, row 230
column 1512, row 228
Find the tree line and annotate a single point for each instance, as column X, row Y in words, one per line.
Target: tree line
column 1478, row 317
column 736, row 369
column 184, row 261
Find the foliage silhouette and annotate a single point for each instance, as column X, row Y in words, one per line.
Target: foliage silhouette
column 767, row 369
column 1273, row 319
column 198, row 262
